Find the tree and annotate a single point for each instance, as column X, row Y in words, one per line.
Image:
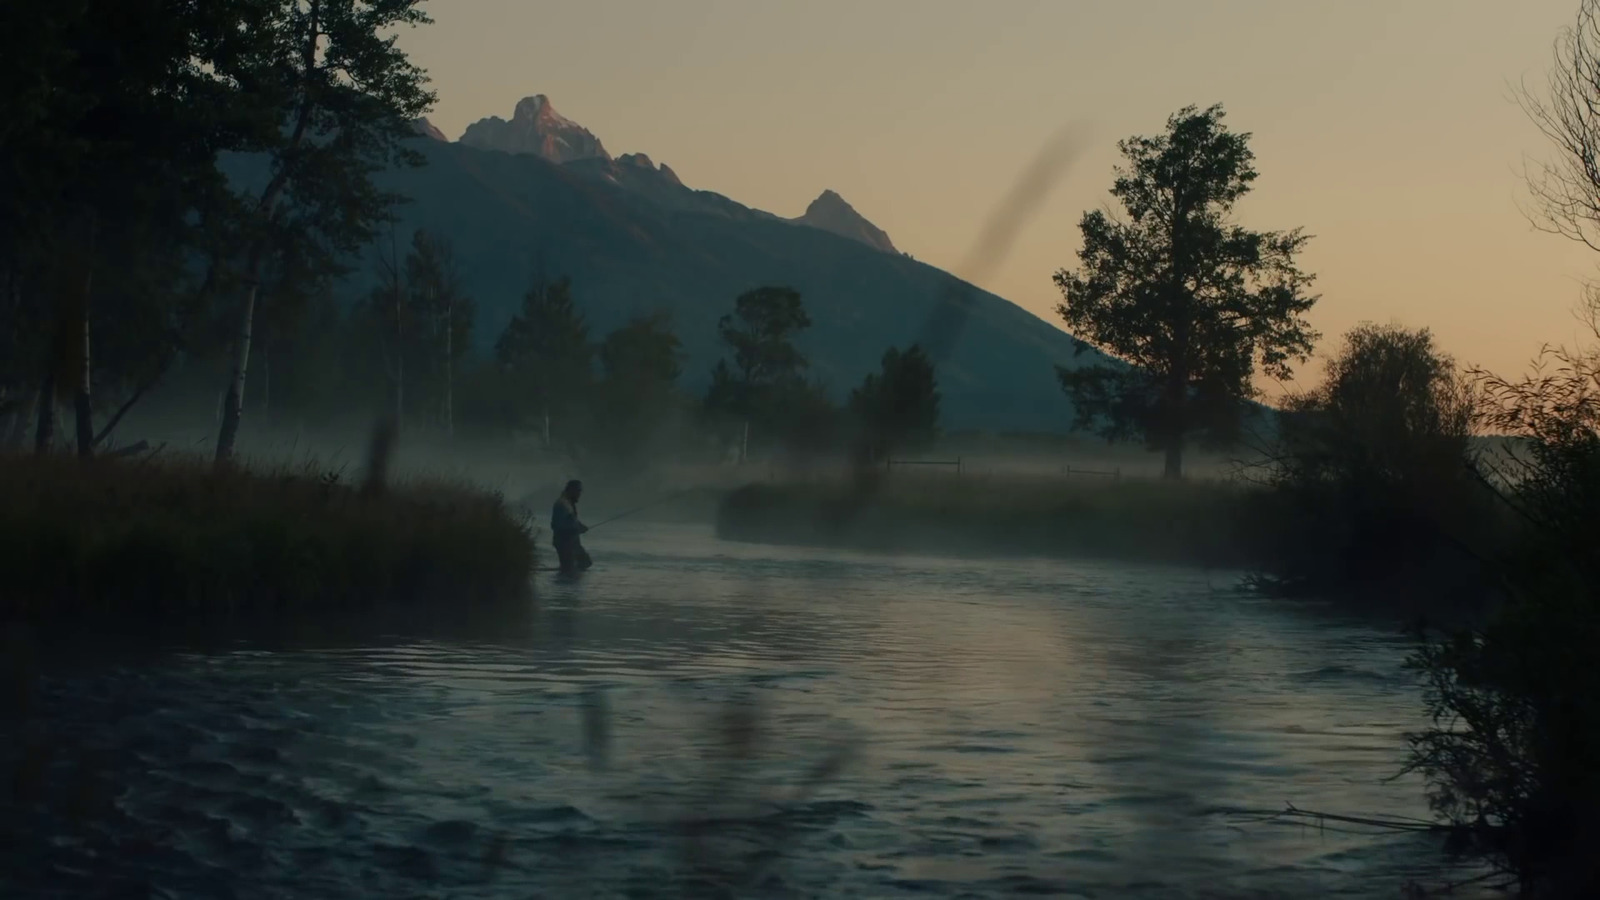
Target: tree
column 1187, row 304
column 1392, row 409
column 1373, row 465
column 335, row 98
column 766, row 364
column 1566, row 190
column 545, row 356
column 443, row 310
column 115, row 113
column 759, row 330
column 637, row 396
column 898, row 408
column 389, row 312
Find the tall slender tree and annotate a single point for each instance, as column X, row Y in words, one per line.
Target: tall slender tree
column 336, row 98
column 637, row 395
column 1186, row 303
column 767, row 367
column 444, row 312
column 545, row 356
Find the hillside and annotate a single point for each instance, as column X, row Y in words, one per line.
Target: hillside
column 635, row 239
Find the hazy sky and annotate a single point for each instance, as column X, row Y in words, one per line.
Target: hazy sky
column 1384, row 127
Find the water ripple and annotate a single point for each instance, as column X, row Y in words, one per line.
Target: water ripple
column 1027, row 728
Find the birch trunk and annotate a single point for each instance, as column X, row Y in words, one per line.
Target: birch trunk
column 233, row 401
column 399, row 355
column 45, row 434
column 84, row 410
column 233, row 404
column 449, row 371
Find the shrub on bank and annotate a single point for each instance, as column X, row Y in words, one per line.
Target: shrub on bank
column 1510, row 753
column 1372, row 486
column 112, row 536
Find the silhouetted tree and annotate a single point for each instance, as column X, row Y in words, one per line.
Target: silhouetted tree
column 545, row 356
column 760, row 332
column 637, row 396
column 114, row 115
column 1187, row 304
column 335, row 98
column 1566, row 190
column 767, row 366
column 443, row 311
column 898, row 408
column 1374, row 463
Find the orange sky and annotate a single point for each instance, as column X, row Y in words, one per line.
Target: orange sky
column 1384, row 127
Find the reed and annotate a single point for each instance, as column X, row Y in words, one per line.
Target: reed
column 177, row 535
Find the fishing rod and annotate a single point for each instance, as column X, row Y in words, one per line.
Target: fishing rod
column 657, row 502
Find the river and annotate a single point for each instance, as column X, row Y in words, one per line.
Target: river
column 847, row 725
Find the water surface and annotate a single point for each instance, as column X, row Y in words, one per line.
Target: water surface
column 998, row 728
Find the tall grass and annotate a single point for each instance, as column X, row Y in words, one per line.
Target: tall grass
column 1214, row 523
column 178, row 536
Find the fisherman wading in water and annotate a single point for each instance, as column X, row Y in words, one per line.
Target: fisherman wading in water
column 565, row 530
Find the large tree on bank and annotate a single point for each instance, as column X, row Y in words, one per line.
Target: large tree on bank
column 336, row 97
column 1187, row 304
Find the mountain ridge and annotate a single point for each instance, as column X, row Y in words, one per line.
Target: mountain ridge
column 537, row 129
column 518, row 217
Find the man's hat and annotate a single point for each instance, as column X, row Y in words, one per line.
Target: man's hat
column 574, row 485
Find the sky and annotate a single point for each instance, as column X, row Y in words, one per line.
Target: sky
column 1387, row 129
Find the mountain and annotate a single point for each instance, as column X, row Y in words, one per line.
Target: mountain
column 539, row 197
column 830, row 212
column 536, row 128
column 427, row 129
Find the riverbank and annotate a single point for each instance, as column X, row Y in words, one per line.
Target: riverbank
column 174, row 535
column 1215, row 524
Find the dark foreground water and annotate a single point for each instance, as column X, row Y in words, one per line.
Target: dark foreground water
column 839, row 725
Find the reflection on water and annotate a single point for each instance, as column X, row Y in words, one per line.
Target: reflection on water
column 1020, row 727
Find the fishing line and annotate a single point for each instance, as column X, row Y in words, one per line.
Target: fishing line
column 636, row 509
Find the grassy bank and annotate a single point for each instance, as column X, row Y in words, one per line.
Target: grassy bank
column 1210, row 523
column 176, row 536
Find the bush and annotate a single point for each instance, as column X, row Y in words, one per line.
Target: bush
column 1510, row 756
column 109, row 536
column 1372, row 474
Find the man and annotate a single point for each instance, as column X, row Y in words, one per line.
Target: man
column 565, row 529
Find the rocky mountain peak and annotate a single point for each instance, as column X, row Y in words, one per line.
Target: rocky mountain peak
column 535, row 127
column 830, row 212
column 427, row 129
column 641, row 161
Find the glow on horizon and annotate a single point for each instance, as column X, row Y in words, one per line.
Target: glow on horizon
column 1385, row 129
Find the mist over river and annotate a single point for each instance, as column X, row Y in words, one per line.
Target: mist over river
column 975, row 728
